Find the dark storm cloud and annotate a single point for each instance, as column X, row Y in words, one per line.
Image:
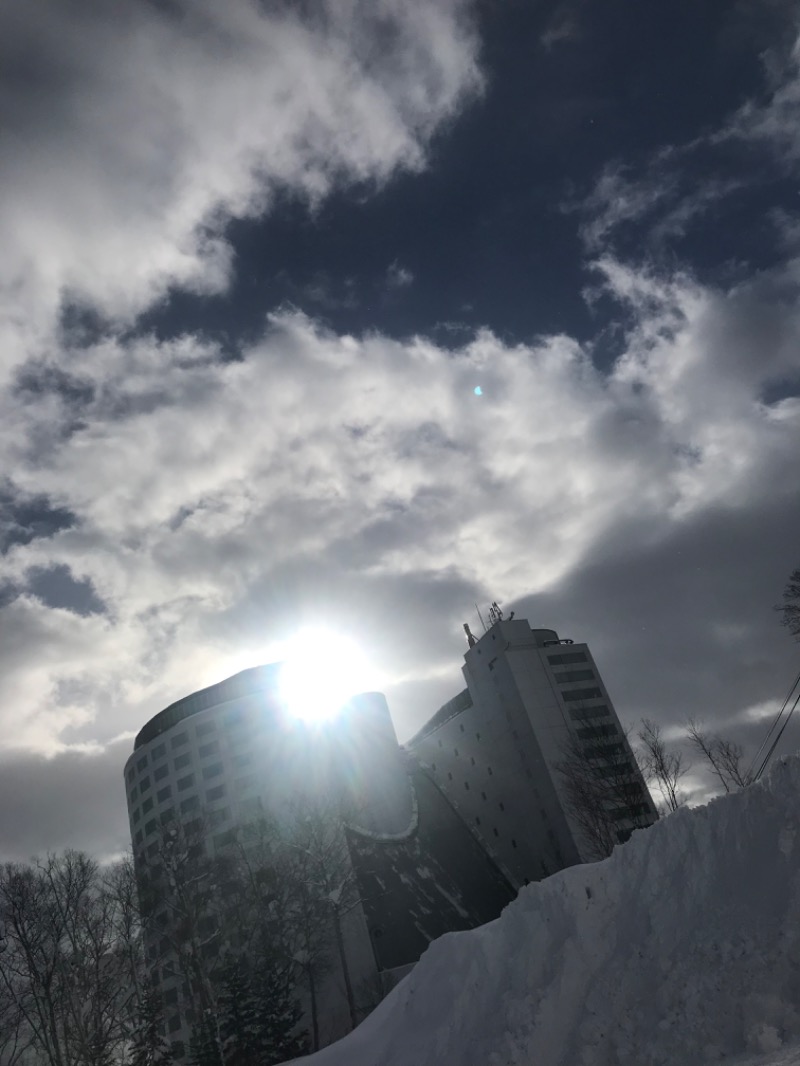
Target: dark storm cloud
column 56, row 587
column 25, row 518
column 70, row 801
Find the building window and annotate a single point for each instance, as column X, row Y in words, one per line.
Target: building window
column 223, row 840
column 581, row 714
column 160, row 772
column 150, row 827
column 575, row 675
column 164, row 794
column 178, row 1049
column 141, row 763
column 138, row 838
column 134, row 793
column 159, row 751
column 183, row 760
column 202, row 729
column 568, row 657
column 581, row 694
column 190, row 804
column 212, row 748
column 152, row 850
column 131, row 774
column 215, row 793
column 178, row 739
column 242, row 760
column 137, row 814
column 147, row 805
column 167, row 815
column 185, row 782
column 144, row 784
column 212, row 771
column 170, row 996
column 595, row 731
column 174, row 1023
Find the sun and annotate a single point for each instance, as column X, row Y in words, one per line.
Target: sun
column 321, row 670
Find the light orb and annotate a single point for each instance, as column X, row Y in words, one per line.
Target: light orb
column 320, row 673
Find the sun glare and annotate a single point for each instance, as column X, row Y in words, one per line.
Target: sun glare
column 320, row 672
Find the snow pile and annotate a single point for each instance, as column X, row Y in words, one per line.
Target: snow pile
column 682, row 948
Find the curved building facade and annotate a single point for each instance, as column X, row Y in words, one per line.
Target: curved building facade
column 440, row 834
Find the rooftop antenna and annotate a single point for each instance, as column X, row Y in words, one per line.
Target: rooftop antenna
column 477, row 608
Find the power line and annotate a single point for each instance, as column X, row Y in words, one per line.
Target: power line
column 773, row 727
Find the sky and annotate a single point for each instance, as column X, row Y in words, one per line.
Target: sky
column 355, row 315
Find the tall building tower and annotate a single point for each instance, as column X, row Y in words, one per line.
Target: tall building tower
column 528, row 745
column 212, row 763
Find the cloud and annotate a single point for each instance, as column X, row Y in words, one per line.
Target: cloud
column 773, row 122
column 219, row 503
column 398, row 277
column 134, row 136
column 665, row 195
column 63, row 803
column 212, row 502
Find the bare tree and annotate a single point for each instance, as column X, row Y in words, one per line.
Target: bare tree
column 603, row 790
column 790, row 608
column 326, row 879
column 181, row 892
column 62, row 974
column 661, row 765
column 723, row 756
column 15, row 1034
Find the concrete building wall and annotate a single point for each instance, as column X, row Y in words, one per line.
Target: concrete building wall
column 239, row 757
column 497, row 755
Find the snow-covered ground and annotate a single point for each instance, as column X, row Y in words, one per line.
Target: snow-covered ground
column 682, row 949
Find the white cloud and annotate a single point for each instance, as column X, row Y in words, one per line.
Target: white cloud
column 132, row 135
column 398, row 277
column 359, row 461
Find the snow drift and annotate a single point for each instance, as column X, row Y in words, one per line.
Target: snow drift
column 682, row 948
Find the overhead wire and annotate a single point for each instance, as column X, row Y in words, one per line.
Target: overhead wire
column 771, row 750
column 774, row 725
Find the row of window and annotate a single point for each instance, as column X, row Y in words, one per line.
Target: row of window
column 574, row 675
column 566, row 658
column 202, row 731
column 581, row 694
column 580, row 714
column 192, row 803
column 183, row 760
column 596, row 732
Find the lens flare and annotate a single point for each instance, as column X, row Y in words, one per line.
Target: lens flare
column 320, row 672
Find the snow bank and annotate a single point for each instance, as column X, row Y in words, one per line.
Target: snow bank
column 682, row 948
